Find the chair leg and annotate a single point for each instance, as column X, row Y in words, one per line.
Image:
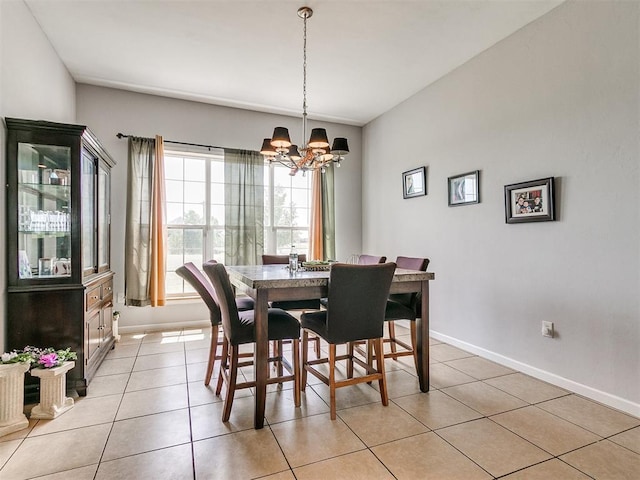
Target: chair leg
column 382, row 383
column 279, row 354
column 296, row 371
column 224, row 359
column 303, row 367
column 317, row 347
column 350, row 348
column 213, row 349
column 414, row 342
column 231, row 384
column 392, row 337
column 332, row 379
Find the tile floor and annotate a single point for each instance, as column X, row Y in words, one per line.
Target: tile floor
column 147, row 415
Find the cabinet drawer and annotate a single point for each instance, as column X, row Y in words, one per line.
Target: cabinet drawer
column 107, row 289
column 92, row 298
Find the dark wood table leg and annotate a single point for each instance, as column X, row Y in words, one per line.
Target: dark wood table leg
column 261, row 356
column 423, row 339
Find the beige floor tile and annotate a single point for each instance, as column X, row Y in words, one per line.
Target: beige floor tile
column 629, row 439
column 597, row 418
column 375, row 424
column 479, row 368
column 116, row 366
column 197, row 371
column 144, row 434
column 170, row 463
column 159, row 360
column 427, row 457
column 168, row 337
column 82, row 473
column 199, row 394
column 362, row 465
column 160, row 377
column 551, row 433
column 81, row 449
column 206, row 420
column 107, row 385
column 316, row 438
column 20, row 434
column 130, row 339
column 123, row 351
column 484, row 398
column 493, row 447
column 280, row 406
column 433, row 341
column 605, row 460
column 400, row 383
column 156, row 348
column 6, row 450
column 199, row 355
column 550, row 470
column 526, row 388
column 153, row 400
column 248, row 454
column 85, row 412
column 347, row 397
column 436, row 410
column 443, row 376
column 286, row 475
column 444, row 353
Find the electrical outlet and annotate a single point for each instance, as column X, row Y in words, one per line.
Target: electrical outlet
column 547, row 329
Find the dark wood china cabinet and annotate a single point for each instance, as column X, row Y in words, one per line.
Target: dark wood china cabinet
column 59, row 282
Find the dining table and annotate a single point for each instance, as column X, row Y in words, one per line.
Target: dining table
column 268, row 283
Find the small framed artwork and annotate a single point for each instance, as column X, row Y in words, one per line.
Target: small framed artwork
column 414, row 182
column 464, row 189
column 529, row 201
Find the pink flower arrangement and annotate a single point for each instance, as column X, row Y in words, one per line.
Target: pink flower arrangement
column 39, row 357
column 48, row 360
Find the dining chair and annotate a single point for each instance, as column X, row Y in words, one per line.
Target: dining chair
column 404, row 306
column 303, row 305
column 365, row 259
column 243, row 303
column 357, row 297
column 197, row 280
column 239, row 329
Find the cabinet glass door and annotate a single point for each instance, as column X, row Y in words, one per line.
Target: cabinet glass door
column 89, row 260
column 44, row 211
column 104, row 217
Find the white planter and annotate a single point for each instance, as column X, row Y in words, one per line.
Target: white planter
column 53, row 388
column 12, row 417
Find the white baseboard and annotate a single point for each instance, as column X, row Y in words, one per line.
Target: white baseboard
column 584, row 390
column 154, row 327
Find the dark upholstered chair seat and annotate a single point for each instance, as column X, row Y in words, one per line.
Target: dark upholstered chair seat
column 282, row 326
column 311, row 304
column 398, row 311
column 244, row 303
column 316, row 322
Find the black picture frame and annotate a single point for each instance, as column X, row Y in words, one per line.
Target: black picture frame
column 530, row 201
column 464, row 189
column 414, row 182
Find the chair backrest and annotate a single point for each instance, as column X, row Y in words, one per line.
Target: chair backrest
column 357, row 299
column 225, row 298
column 370, row 260
column 197, row 280
column 281, row 259
column 409, row 263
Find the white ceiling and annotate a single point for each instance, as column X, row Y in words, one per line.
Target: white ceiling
column 364, row 57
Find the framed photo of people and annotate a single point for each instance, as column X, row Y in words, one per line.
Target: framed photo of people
column 529, row 201
column 463, row 189
column 414, row 182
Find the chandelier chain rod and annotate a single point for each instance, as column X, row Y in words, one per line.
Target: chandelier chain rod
column 304, row 82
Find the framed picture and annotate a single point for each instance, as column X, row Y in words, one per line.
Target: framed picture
column 464, row 189
column 529, row 201
column 414, row 182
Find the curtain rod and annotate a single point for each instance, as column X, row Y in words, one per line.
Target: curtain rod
column 122, row 135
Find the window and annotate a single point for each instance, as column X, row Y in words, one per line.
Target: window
column 196, row 212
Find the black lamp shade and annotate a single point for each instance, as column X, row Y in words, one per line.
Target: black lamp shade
column 318, row 138
column 294, row 154
column 267, row 148
column 340, row 146
column 280, row 138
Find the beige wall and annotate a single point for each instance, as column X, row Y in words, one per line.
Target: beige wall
column 33, row 84
column 108, row 111
column 558, row 98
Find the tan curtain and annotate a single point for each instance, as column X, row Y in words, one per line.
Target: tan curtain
column 157, row 294
column 316, row 233
column 145, row 231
